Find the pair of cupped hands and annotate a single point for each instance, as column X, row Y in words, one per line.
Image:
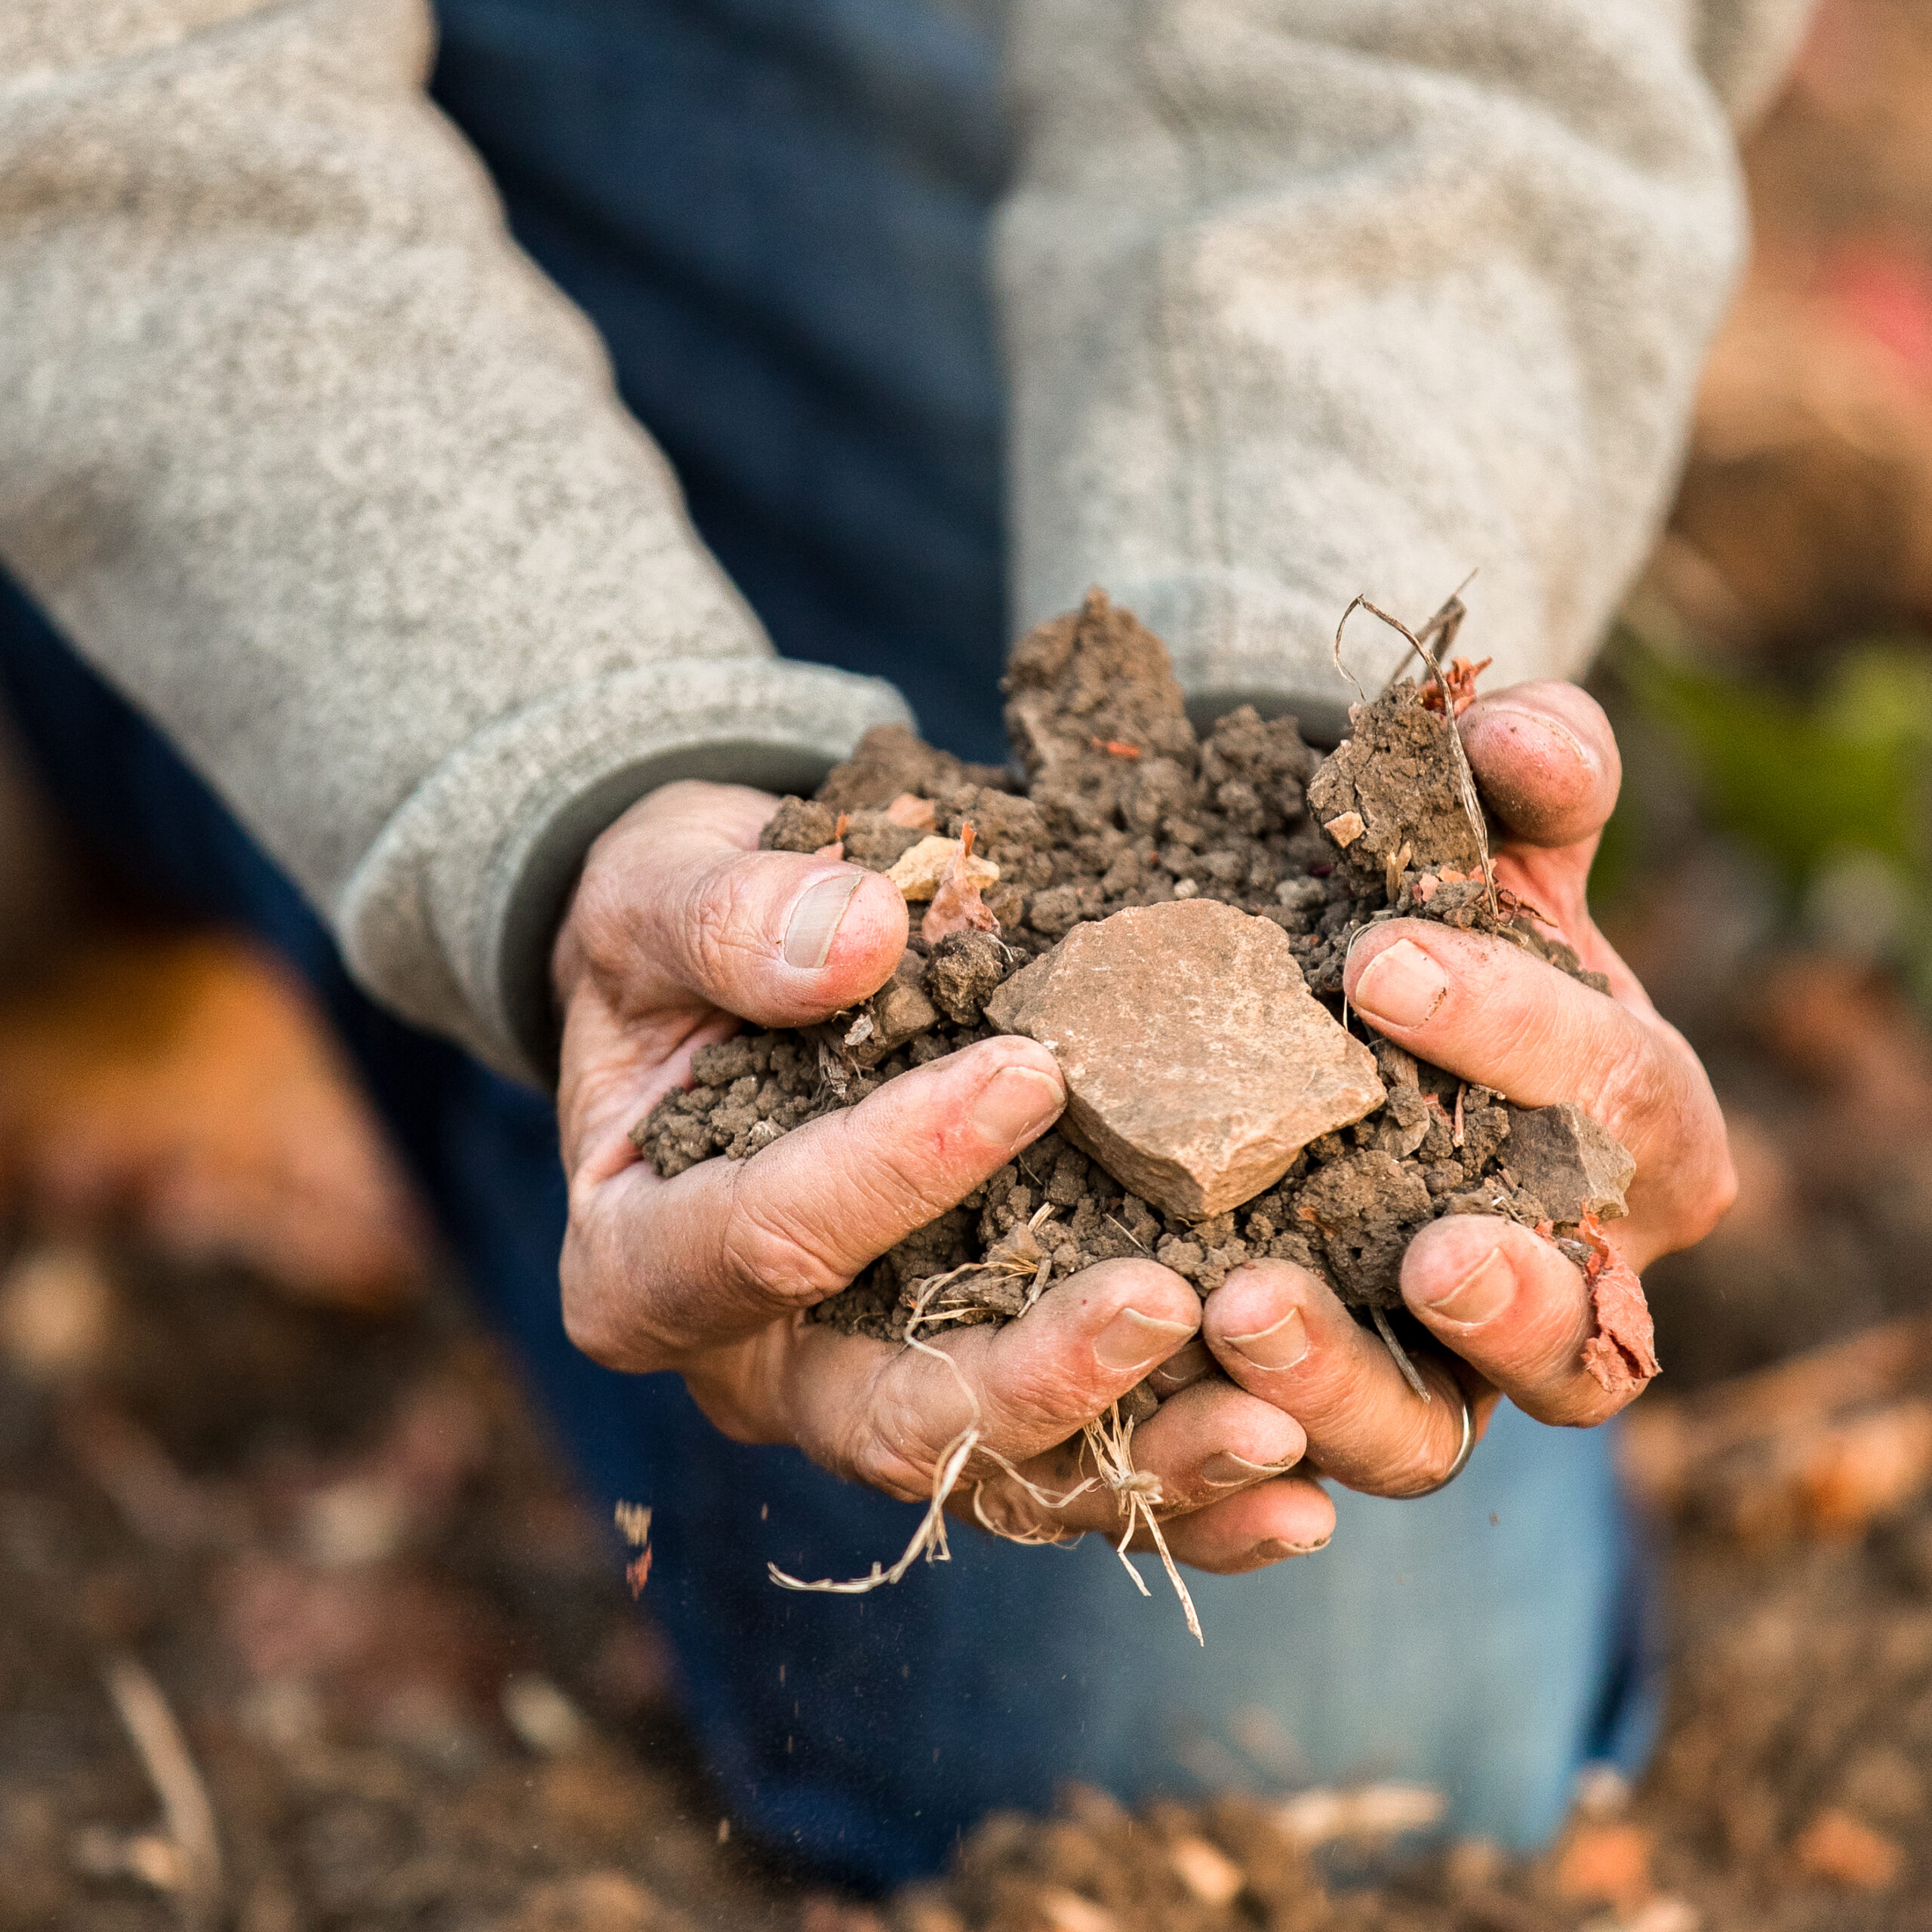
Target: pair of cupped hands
column 681, row 927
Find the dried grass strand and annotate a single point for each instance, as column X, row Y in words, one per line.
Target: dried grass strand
column 185, row 1807
column 1410, row 1374
column 1109, row 1439
column 928, row 1540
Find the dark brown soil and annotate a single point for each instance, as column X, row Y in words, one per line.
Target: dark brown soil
column 1124, row 807
column 402, row 1658
column 340, row 1549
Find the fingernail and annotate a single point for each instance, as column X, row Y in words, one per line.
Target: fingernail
column 1226, row 1470
column 1281, row 1346
column 815, row 919
column 1183, row 1369
column 1133, row 1340
column 1403, row 986
column 1482, row 1294
column 1272, row 1549
column 1540, row 724
column 1016, row 1103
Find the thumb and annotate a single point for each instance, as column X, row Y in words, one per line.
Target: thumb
column 673, row 910
column 1545, row 760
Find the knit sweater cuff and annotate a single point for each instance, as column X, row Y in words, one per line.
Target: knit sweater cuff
column 451, row 916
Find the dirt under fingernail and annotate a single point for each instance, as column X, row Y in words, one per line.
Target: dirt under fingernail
column 1276, row 1549
column 1403, row 987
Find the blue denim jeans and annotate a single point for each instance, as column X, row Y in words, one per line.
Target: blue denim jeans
column 775, row 210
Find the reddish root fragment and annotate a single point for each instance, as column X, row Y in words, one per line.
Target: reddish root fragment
column 1458, row 682
column 1512, row 905
column 1621, row 1354
column 957, row 906
column 915, row 813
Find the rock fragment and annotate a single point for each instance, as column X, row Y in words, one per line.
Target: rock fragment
column 1569, row 1163
column 915, row 813
column 917, row 870
column 877, row 840
column 901, row 1011
column 962, row 971
column 799, row 824
column 1197, row 1062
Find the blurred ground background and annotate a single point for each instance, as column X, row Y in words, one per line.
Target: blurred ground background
column 301, row 1630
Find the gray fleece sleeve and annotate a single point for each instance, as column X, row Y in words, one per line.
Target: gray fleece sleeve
column 1308, row 298
column 311, row 463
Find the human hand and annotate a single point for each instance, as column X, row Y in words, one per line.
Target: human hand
column 1513, row 1311
column 679, row 927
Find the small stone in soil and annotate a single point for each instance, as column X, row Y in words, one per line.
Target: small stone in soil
column 1197, row 1064
column 1568, row 1162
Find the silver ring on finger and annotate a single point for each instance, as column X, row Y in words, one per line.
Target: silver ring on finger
column 1464, row 1450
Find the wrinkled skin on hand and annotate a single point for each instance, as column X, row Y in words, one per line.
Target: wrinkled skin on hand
column 681, row 927
column 1514, row 1311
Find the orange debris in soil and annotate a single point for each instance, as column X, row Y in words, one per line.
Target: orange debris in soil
column 1621, row 1354
column 1459, row 678
column 957, row 906
column 1842, row 1850
column 180, row 1087
column 1608, row 1864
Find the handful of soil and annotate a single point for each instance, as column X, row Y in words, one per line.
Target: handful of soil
column 1170, row 916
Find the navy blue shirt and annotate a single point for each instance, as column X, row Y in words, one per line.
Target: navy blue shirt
column 776, row 211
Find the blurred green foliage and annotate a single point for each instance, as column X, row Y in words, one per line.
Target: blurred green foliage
column 1825, row 783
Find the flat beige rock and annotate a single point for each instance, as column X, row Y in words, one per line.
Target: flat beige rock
column 918, row 869
column 1198, row 1063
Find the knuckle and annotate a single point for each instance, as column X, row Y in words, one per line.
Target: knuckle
column 613, row 1330
column 885, row 1458
column 1711, row 1197
column 1436, row 1461
column 1635, row 1079
column 1040, row 1393
column 1429, row 1449
column 758, row 1251
column 602, row 915
column 1718, row 1201
column 714, row 915
column 889, row 1192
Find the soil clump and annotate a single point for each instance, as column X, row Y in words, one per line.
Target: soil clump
column 1170, row 913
